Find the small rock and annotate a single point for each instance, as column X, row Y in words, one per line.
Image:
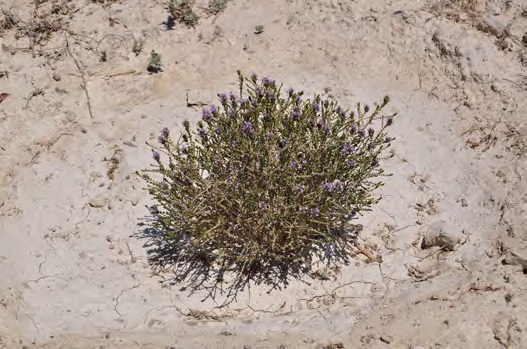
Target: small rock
column 259, row 29
column 464, row 202
column 109, row 238
column 439, row 234
column 130, row 144
column 386, row 339
column 56, row 77
column 111, row 247
column 98, row 201
column 135, row 202
column 515, row 259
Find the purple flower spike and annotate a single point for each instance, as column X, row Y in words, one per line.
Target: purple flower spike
column 232, row 97
column 292, row 164
column 325, row 128
column 165, row 132
column 354, row 128
column 316, row 108
column 298, row 100
column 352, row 163
column 161, row 139
column 222, row 97
column 271, row 96
column 326, row 103
column 213, row 110
column 348, row 149
column 389, row 122
column 328, row 186
column 362, row 133
column 259, row 91
column 202, row 132
column 290, row 92
column 156, row 155
column 269, row 135
column 375, row 163
column 247, row 128
column 296, row 113
column 268, row 82
column 207, row 115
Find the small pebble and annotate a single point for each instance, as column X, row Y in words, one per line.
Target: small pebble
column 56, row 77
column 386, row 339
column 97, row 202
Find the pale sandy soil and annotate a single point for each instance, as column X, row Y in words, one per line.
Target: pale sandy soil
column 73, row 275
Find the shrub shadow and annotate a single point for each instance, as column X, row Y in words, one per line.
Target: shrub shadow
column 178, row 262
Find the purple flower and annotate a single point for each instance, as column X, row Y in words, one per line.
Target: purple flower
column 389, row 122
column 268, row 82
column 165, row 132
column 371, row 131
column 354, row 128
column 162, row 139
column 316, row 107
column 207, row 115
column 298, row 100
column 328, row 186
column 217, row 130
column 270, row 135
column 271, row 96
column 156, row 155
column 362, row 133
column 375, row 163
column 290, row 92
column 348, row 149
column 388, row 140
column 341, row 112
column 247, row 128
column 326, row 103
column 366, row 108
column 186, row 124
column 315, row 211
column 232, row 97
column 213, row 109
column 352, row 163
column 222, row 97
column 292, row 164
column 296, row 113
column 230, row 112
column 259, row 91
column 202, row 132
column 325, row 128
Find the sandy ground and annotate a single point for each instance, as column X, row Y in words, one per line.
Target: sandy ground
column 73, row 275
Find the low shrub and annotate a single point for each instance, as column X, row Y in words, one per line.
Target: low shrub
column 268, row 184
